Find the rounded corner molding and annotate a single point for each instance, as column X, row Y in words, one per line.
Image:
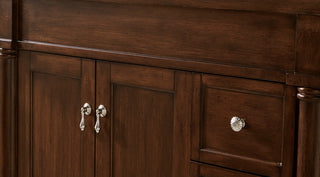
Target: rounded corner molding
column 7, row 53
column 308, row 94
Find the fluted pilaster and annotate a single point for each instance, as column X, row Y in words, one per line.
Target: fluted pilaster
column 308, row 133
column 7, row 112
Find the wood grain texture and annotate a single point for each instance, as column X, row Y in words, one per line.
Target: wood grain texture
column 182, row 119
column 308, row 160
column 142, row 134
column 249, row 39
column 24, row 129
column 2, row 116
column 6, row 19
column 254, row 86
column 153, row 112
column 56, row 137
column 289, row 6
column 308, row 37
column 8, row 97
column 261, row 139
column 147, row 127
column 164, row 62
column 103, row 167
column 49, row 133
column 202, row 170
column 303, row 80
column 5, row 123
column 144, row 76
column 260, row 147
column 290, row 120
column 55, row 64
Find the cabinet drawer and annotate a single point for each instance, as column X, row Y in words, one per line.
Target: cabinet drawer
column 258, row 146
column 201, row 170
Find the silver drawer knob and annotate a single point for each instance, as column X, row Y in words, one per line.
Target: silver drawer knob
column 237, row 124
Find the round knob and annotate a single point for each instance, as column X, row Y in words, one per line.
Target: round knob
column 237, row 124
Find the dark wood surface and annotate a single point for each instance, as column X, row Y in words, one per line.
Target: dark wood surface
column 50, row 141
column 308, row 42
column 309, row 133
column 259, row 52
column 201, row 170
column 2, row 120
column 165, row 62
column 5, row 20
column 250, row 39
column 289, row 6
column 7, row 112
column 148, row 123
column 306, row 80
column 259, row 146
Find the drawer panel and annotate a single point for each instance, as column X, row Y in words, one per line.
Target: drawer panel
column 229, row 37
column 201, row 170
column 263, row 117
column 258, row 147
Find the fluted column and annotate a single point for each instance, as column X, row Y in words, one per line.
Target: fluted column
column 308, row 160
column 7, row 112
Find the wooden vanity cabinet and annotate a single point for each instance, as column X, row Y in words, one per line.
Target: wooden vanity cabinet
column 191, row 88
column 145, row 132
column 157, row 121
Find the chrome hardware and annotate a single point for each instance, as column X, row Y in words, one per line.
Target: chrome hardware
column 237, row 124
column 85, row 110
column 100, row 112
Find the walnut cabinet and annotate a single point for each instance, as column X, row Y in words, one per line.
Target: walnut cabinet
column 145, row 132
column 159, row 88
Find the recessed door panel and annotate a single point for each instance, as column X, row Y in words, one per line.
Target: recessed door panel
column 56, row 137
column 51, row 143
column 142, row 132
column 146, row 132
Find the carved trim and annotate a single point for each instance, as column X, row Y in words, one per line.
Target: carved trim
column 7, row 53
column 308, row 94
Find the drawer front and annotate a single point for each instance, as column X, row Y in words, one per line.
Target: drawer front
column 257, row 145
column 201, row 170
column 229, row 37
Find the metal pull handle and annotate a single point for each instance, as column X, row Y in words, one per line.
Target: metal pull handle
column 100, row 112
column 237, row 124
column 85, row 110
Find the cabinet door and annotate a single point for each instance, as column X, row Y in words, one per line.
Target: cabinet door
column 146, row 132
column 52, row 90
